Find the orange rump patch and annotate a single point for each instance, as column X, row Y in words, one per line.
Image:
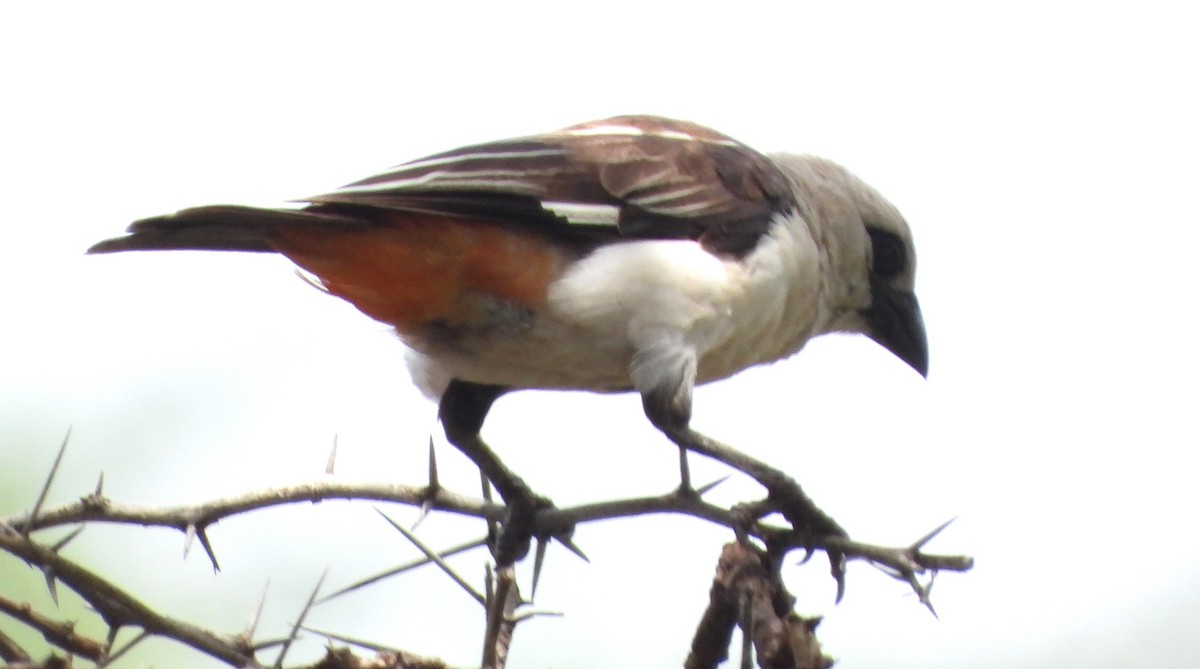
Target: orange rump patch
column 416, row 269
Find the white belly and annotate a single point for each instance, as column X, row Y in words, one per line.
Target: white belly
column 626, row 297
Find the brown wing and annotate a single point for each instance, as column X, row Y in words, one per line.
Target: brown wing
column 637, row 177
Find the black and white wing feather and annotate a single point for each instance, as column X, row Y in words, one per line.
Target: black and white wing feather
column 638, row 177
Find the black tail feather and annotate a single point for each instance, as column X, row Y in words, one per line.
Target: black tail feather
column 218, row 228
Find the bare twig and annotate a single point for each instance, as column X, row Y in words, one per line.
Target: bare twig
column 90, row 509
column 748, row 591
column 751, row 590
column 10, row 651
column 806, row 652
column 58, row 633
column 710, row 644
column 118, row 608
column 500, row 619
column 402, row 658
column 547, row 522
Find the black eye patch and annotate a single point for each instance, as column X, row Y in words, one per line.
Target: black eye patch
column 889, row 257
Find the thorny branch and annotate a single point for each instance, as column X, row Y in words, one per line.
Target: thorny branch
column 118, row 608
column 501, row 618
column 547, row 522
column 748, row 591
column 748, row 579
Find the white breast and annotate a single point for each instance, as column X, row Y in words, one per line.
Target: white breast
column 733, row 313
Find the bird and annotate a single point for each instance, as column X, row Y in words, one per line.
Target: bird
column 635, row 253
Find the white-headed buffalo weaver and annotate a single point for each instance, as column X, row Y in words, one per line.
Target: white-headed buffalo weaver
column 635, row 253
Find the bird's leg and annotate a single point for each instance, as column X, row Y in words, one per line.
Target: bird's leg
column 783, row 492
column 665, row 375
column 462, row 410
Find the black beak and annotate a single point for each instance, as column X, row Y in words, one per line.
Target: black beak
column 896, row 324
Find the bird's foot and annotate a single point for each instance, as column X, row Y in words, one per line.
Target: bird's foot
column 809, row 521
column 518, row 527
column 786, row 497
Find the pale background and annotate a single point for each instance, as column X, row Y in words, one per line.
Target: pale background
column 1045, row 155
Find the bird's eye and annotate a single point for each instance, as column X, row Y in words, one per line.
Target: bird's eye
column 888, row 254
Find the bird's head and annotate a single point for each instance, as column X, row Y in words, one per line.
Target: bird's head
column 870, row 255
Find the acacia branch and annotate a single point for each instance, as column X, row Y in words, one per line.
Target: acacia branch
column 118, row 608
column 501, row 618
column 547, row 523
column 761, row 601
column 748, row 591
column 97, row 508
column 61, row 634
column 10, row 652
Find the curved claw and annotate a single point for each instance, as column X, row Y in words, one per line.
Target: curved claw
column 517, row 528
column 837, row 567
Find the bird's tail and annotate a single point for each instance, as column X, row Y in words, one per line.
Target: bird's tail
column 220, row 228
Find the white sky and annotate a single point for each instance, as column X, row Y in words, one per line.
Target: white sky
column 1045, row 155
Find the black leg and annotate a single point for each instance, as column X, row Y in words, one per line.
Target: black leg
column 670, row 410
column 462, row 410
